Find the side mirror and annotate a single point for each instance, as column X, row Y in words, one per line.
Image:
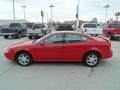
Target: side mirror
column 42, row 43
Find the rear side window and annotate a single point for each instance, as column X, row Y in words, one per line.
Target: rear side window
column 90, row 25
column 73, row 38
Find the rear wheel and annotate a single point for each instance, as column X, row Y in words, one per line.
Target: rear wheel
column 24, row 58
column 18, row 36
column 6, row 37
column 91, row 59
column 110, row 36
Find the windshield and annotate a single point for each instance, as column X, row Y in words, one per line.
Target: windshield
column 65, row 27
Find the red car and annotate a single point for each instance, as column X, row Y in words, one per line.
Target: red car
column 112, row 30
column 65, row 46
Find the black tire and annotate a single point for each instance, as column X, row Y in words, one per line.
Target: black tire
column 6, row 37
column 24, row 58
column 110, row 36
column 91, row 59
column 29, row 37
column 18, row 36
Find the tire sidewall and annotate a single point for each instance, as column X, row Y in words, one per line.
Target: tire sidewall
column 86, row 56
column 26, row 53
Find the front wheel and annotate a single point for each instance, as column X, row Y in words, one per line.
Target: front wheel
column 29, row 37
column 18, row 36
column 24, row 58
column 91, row 59
column 110, row 36
column 6, row 37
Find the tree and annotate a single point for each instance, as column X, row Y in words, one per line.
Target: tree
column 94, row 20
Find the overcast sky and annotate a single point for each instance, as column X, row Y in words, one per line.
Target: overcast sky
column 63, row 10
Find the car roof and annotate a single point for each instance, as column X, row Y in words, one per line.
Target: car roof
column 71, row 32
column 74, row 32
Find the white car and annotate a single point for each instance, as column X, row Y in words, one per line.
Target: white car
column 91, row 29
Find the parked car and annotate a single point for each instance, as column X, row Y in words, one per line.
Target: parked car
column 91, row 29
column 0, row 28
column 65, row 27
column 112, row 30
column 64, row 46
column 29, row 25
column 38, row 31
column 15, row 30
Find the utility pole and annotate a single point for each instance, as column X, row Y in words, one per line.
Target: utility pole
column 51, row 6
column 106, row 7
column 24, row 11
column 14, row 11
column 42, row 15
column 77, row 16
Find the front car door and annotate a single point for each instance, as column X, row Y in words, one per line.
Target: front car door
column 52, row 49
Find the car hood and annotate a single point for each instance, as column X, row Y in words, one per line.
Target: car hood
column 22, row 44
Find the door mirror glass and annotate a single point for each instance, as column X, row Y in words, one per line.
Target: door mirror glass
column 41, row 43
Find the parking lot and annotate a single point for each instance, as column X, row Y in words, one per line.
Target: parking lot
column 59, row 76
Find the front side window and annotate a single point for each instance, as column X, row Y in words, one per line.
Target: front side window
column 54, row 39
column 73, row 38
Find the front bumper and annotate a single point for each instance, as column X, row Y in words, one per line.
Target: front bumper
column 9, row 34
column 9, row 55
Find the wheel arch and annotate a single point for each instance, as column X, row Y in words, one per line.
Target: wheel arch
column 92, row 51
column 22, row 51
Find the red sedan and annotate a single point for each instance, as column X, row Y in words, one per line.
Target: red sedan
column 62, row 46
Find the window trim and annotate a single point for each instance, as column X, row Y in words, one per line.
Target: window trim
column 54, row 43
column 74, row 42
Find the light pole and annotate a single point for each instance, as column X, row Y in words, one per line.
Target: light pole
column 51, row 6
column 106, row 7
column 14, row 11
column 77, row 16
column 24, row 11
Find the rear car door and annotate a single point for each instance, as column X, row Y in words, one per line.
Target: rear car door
column 74, row 47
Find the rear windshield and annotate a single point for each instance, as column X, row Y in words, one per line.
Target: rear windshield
column 39, row 26
column 65, row 27
column 15, row 25
column 115, row 25
column 90, row 25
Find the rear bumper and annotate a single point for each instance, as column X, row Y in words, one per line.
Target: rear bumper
column 94, row 35
column 108, row 54
column 117, row 35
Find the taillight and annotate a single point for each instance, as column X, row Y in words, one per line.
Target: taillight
column 108, row 41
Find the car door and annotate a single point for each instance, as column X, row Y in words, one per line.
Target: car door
column 52, row 49
column 74, row 47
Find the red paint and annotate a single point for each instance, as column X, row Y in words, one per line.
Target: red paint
column 109, row 29
column 64, row 51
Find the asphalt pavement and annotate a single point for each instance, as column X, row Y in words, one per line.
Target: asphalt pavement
column 59, row 76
